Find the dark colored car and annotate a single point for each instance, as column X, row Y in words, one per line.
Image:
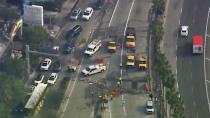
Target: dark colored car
column 130, row 31
column 19, row 109
column 75, row 14
column 56, row 67
column 74, row 31
column 67, row 49
column 98, row 5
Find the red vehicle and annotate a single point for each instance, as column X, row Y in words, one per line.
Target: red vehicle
column 198, row 44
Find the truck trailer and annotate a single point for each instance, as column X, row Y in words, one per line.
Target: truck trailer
column 197, row 44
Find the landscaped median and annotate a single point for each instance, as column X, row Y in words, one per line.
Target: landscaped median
column 161, row 66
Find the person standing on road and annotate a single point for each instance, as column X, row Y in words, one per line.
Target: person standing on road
column 120, row 80
column 118, row 83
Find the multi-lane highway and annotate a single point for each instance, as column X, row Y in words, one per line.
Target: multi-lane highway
column 190, row 68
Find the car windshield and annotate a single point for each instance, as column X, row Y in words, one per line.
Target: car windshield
column 44, row 64
column 88, row 69
column 39, row 77
column 90, row 49
column 86, row 13
column 51, row 78
column 183, row 30
column 149, row 107
column 74, row 13
column 142, row 62
column 111, row 44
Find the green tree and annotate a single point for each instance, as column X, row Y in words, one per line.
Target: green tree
column 157, row 30
column 8, row 14
column 12, row 92
column 158, row 6
column 36, row 36
column 14, row 66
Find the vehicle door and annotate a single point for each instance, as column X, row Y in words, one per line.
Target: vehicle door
column 93, row 71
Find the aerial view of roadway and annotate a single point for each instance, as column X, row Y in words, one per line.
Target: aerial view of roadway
column 102, row 64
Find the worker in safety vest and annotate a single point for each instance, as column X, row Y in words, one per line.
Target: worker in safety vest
column 111, row 97
column 120, row 80
column 120, row 65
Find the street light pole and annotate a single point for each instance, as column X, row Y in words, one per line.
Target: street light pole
column 28, row 59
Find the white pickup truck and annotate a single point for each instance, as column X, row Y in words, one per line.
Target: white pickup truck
column 93, row 69
column 93, row 47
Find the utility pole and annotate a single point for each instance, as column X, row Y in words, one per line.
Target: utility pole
column 28, row 59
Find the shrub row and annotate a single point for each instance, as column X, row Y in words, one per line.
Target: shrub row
column 161, row 64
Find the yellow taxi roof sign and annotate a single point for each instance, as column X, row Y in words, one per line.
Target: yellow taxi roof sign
column 130, row 37
column 131, row 57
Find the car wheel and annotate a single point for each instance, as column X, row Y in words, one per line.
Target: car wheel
column 102, row 70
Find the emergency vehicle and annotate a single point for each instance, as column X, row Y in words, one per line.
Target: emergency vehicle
column 93, row 47
column 197, row 44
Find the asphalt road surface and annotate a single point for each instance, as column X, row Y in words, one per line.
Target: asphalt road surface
column 101, row 25
column 191, row 67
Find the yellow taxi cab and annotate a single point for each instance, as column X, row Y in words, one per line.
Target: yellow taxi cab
column 112, row 46
column 130, row 41
column 130, row 61
column 142, row 63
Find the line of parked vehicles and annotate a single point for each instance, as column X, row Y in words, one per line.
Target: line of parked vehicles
column 73, row 32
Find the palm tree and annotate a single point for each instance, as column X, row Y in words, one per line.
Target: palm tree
column 158, row 6
column 157, row 30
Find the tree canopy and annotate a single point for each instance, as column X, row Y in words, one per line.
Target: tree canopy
column 12, row 80
column 35, row 36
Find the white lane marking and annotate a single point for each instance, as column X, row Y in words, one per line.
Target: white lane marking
column 72, row 88
column 92, row 113
column 126, row 25
column 110, row 110
column 207, row 95
column 123, row 103
column 179, row 21
column 113, row 13
column 181, row 10
column 177, row 85
column 128, row 16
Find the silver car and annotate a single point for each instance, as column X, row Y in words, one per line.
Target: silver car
column 75, row 14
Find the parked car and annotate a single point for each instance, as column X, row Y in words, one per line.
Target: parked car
column 149, row 107
column 87, row 13
column 56, row 67
column 67, row 49
column 46, row 64
column 75, row 14
column 93, row 69
column 52, row 79
column 74, row 31
column 98, row 5
column 39, row 79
